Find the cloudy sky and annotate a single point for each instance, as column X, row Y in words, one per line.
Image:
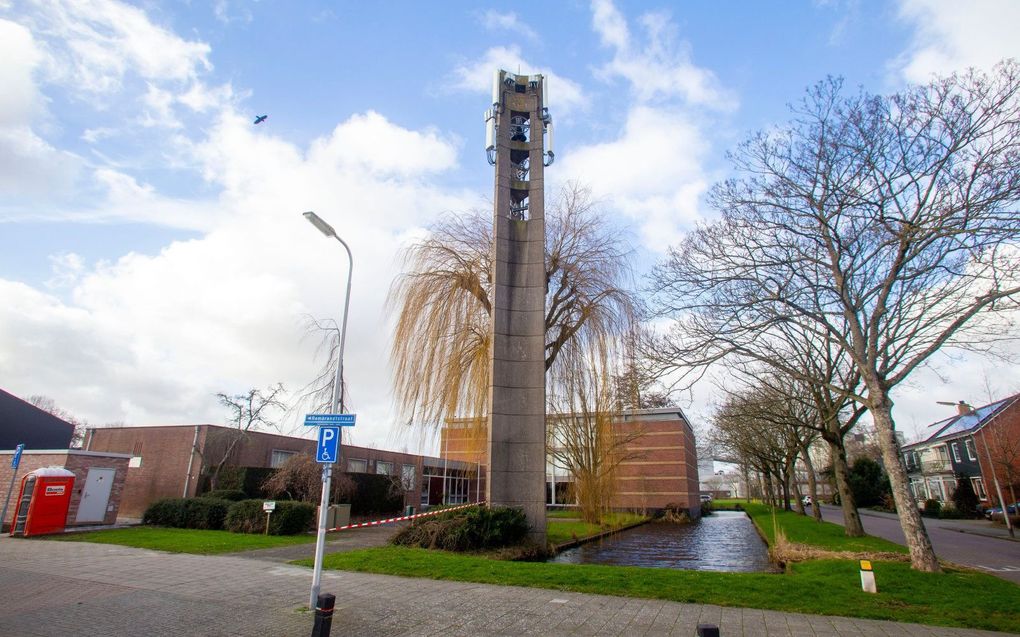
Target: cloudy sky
column 152, row 250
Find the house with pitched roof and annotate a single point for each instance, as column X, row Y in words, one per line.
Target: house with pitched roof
column 955, row 449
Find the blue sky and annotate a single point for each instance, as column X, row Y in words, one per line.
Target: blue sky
column 151, row 247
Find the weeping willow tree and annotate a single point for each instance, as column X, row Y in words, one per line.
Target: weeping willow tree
column 443, row 304
column 582, row 435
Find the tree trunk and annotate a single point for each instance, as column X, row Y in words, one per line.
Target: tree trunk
column 769, row 493
column 816, row 510
column 851, row 518
column 791, row 477
column 922, row 556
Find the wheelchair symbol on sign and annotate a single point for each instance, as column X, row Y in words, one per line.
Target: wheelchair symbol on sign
column 327, row 450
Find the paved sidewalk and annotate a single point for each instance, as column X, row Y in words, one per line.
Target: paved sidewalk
column 72, row 588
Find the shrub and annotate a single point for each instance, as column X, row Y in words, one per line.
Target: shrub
column 289, row 518
column 472, row 529
column 964, row 498
column 373, row 493
column 868, row 482
column 187, row 513
column 234, row 495
column 932, row 508
column 950, row 512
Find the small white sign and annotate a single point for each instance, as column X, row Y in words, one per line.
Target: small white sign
column 269, row 505
column 55, row 490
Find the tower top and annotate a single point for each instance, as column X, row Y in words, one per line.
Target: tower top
column 507, row 90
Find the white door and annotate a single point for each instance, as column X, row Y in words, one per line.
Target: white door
column 95, row 496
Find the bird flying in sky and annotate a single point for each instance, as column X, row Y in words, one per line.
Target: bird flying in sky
column 260, row 118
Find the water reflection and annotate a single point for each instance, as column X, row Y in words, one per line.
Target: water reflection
column 724, row 541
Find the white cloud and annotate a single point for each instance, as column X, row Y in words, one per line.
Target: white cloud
column 149, row 338
column 661, row 68
column 19, row 98
column 93, row 44
column 565, row 96
column 952, row 36
column 494, row 20
column 66, row 268
column 652, row 173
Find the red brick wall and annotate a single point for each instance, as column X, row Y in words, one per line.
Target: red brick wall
column 164, row 451
column 1002, row 434
column 664, row 469
column 75, row 461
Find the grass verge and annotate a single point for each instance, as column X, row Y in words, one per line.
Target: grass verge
column 805, row 530
column 561, row 531
column 185, row 540
column 825, row 587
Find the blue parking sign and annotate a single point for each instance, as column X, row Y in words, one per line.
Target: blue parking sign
column 16, row 460
column 328, row 448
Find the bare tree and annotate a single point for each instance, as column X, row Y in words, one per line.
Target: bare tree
column 49, row 405
column 443, row 303
column 887, row 225
column 582, row 432
column 300, row 478
column 248, row 412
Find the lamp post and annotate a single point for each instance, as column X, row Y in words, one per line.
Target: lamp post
column 337, row 407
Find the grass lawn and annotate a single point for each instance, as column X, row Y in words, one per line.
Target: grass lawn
column 805, row 530
column 560, row 531
column 185, row 540
column 959, row 598
column 565, row 513
column 826, row 587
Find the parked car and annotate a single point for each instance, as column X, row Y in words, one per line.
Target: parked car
column 706, row 497
column 1012, row 508
column 806, row 500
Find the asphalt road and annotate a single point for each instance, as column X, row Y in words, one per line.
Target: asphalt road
column 953, row 540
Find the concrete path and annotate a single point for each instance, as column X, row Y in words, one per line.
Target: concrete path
column 974, row 543
column 71, row 588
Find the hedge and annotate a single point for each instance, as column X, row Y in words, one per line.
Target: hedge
column 246, row 479
column 289, row 518
column 473, row 529
column 187, row 513
column 234, row 495
column 374, row 493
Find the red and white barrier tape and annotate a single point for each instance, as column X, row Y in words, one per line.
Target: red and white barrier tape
column 405, row 517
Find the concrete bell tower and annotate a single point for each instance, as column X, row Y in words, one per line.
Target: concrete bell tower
column 519, row 144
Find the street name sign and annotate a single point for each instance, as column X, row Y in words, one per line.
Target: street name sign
column 16, row 460
column 332, row 420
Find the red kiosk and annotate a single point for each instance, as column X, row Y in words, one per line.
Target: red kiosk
column 43, row 501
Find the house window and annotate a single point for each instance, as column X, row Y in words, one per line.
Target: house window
column 979, row 488
column 384, row 468
column 280, row 456
column 971, row 453
column 407, row 475
column 956, row 451
column 357, row 466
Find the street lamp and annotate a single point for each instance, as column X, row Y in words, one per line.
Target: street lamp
column 336, row 407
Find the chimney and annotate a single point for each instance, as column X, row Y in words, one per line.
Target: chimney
column 963, row 408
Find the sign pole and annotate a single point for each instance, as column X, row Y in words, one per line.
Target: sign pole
column 338, row 407
column 15, row 461
column 320, row 538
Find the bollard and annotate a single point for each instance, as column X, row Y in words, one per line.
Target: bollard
column 323, row 615
column 867, row 577
column 708, row 630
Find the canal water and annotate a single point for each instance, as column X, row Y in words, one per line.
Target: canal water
column 723, row 541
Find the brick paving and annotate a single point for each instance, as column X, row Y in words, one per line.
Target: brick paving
column 72, row 588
